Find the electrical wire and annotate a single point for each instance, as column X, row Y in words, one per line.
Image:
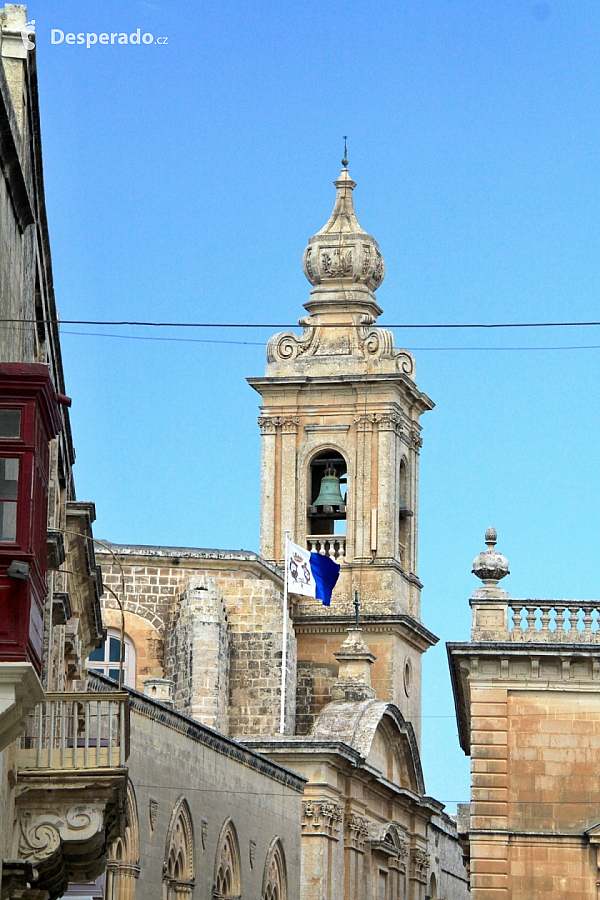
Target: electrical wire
column 157, row 324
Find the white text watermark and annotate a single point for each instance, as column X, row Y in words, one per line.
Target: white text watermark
column 90, row 38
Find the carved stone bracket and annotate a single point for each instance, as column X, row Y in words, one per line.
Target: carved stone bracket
column 321, row 817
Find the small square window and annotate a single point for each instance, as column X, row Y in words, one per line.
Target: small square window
column 10, row 423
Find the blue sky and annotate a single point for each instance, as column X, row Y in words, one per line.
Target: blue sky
column 183, row 181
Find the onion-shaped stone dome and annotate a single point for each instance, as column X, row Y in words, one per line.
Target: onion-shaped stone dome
column 342, row 253
column 490, row 565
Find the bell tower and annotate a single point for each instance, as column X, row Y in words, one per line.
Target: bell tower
column 340, row 462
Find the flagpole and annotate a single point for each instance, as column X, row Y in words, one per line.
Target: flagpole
column 284, row 637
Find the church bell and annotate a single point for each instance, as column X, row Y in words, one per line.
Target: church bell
column 329, row 492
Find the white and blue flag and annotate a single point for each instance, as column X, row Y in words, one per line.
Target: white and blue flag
column 310, row 574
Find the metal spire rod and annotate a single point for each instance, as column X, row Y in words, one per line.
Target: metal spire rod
column 345, row 159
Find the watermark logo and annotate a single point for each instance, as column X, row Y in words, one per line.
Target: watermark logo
column 89, row 38
column 26, row 35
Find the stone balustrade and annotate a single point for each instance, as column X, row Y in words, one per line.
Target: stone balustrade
column 76, row 731
column 536, row 621
column 554, row 621
column 332, row 545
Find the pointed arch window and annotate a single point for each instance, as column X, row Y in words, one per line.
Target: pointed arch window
column 275, row 877
column 228, row 870
column 122, row 864
column 178, row 877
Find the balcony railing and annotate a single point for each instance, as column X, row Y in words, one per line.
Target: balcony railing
column 333, row 545
column 77, row 731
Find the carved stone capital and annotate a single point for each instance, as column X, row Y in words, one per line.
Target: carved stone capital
column 366, row 422
column 269, row 424
column 321, row 817
column 419, row 864
column 389, row 421
column 289, row 425
column 357, row 830
column 416, row 442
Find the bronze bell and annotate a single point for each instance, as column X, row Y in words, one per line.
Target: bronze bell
column 329, row 492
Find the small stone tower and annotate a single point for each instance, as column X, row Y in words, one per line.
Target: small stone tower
column 340, row 401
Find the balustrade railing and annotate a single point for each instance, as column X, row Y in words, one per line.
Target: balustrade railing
column 554, row 621
column 332, row 545
column 76, row 731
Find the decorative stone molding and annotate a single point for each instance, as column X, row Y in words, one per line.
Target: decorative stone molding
column 357, row 830
column 252, row 853
column 322, row 818
column 365, row 422
column 389, row 421
column 40, row 834
column 289, row 425
column 416, row 441
column 269, row 424
column 153, row 811
column 286, row 345
column 419, row 864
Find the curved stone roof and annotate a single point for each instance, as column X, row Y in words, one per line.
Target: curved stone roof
column 355, row 723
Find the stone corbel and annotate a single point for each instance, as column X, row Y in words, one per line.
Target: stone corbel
column 62, row 841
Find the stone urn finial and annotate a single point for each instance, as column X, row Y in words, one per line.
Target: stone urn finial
column 490, row 565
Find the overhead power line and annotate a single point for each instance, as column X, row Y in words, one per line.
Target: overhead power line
column 141, row 337
column 149, row 324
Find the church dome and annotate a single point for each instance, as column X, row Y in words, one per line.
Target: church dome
column 342, row 254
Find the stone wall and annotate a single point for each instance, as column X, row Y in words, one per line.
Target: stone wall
column 218, row 620
column 446, row 860
column 313, row 691
column 174, row 758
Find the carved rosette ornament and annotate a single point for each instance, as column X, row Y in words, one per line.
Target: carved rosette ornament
column 322, row 818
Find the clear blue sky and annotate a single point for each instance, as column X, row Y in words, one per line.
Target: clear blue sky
column 182, row 183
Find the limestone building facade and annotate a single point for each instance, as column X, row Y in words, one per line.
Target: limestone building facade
column 204, row 629
column 528, row 712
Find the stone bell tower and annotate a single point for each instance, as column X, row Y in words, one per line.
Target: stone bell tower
column 340, row 402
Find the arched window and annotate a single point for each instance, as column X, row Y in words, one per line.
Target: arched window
column 327, row 493
column 228, row 870
column 122, row 863
column 105, row 659
column 178, row 878
column 275, row 877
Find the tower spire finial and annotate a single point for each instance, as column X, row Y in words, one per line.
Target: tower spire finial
column 345, row 159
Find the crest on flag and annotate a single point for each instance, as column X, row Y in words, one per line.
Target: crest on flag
column 300, row 579
column 310, row 574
